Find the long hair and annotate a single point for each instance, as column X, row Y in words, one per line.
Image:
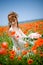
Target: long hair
column 11, row 17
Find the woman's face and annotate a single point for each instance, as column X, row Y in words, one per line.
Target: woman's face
column 13, row 21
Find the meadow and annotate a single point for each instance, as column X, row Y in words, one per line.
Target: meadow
column 33, row 55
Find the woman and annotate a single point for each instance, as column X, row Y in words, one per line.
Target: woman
column 19, row 35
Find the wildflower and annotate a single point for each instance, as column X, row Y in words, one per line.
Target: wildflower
column 41, row 54
column 1, row 29
column 39, row 42
column 24, row 52
column 34, row 48
column 25, row 32
column 35, row 51
column 12, row 52
column 3, row 51
column 13, row 33
column 30, row 61
column 19, row 57
column 4, row 45
column 11, row 57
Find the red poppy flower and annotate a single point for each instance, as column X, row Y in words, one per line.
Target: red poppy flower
column 13, row 33
column 4, row 45
column 39, row 42
column 19, row 57
column 30, row 61
column 3, row 51
column 11, row 57
column 12, row 52
column 24, row 52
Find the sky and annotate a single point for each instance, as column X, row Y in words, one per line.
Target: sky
column 26, row 10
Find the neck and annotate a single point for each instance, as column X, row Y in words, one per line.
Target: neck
column 14, row 26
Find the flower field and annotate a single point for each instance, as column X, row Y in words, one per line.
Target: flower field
column 33, row 53
column 35, row 26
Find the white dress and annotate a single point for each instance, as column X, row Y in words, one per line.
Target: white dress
column 19, row 35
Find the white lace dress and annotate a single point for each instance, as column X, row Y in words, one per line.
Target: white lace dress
column 19, row 35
